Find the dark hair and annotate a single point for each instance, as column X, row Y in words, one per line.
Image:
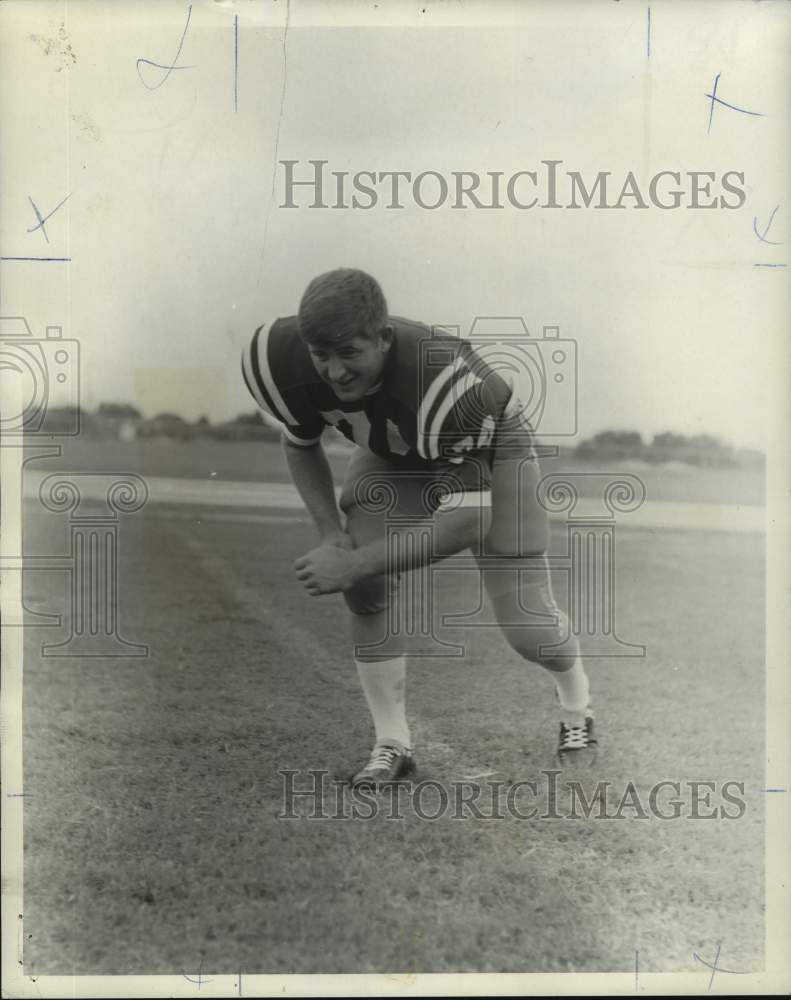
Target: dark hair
column 340, row 304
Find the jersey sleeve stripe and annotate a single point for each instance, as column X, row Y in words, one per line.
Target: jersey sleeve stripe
column 254, row 382
column 440, row 382
column 262, row 376
column 304, row 442
column 453, row 396
column 263, row 401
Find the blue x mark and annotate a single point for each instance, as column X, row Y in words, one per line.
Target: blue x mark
column 43, row 219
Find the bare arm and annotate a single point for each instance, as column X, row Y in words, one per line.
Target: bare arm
column 334, row 566
column 312, row 477
column 450, row 532
column 329, row 569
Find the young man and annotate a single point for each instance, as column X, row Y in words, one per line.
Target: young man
column 441, row 432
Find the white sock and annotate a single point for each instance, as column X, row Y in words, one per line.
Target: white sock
column 573, row 687
column 384, row 687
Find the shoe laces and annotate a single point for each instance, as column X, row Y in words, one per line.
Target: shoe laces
column 574, row 738
column 382, row 757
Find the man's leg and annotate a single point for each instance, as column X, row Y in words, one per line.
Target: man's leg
column 532, row 623
column 380, row 659
column 381, row 664
column 521, row 594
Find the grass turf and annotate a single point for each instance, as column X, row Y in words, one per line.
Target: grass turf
column 152, row 838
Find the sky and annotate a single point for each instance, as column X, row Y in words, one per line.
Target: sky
column 179, row 245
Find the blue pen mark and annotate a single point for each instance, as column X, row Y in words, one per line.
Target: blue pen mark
column 716, row 967
column 236, row 63
column 168, row 69
column 200, row 980
column 773, row 789
column 762, row 236
column 648, row 35
column 772, row 265
column 283, row 91
column 719, row 100
column 43, row 219
column 279, row 123
column 36, row 258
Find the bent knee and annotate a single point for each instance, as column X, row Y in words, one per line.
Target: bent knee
column 529, row 618
column 368, row 597
column 536, row 643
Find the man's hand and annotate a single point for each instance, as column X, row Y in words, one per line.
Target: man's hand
column 330, row 568
column 337, row 537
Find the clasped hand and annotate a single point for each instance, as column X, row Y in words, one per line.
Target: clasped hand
column 328, row 569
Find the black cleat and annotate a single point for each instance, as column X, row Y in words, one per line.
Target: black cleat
column 577, row 744
column 388, row 762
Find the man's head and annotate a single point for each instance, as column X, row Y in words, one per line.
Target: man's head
column 343, row 321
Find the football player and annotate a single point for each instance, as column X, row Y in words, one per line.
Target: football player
column 423, row 410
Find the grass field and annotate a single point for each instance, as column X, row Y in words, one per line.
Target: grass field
column 152, row 838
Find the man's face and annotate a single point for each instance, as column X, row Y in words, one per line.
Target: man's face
column 353, row 365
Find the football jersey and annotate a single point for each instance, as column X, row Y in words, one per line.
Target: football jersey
column 437, row 400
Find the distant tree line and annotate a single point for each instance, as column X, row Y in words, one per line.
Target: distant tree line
column 124, row 421
column 697, row 449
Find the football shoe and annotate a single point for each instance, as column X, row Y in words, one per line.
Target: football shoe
column 388, row 762
column 577, row 744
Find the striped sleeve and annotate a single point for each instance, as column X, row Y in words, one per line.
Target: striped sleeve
column 457, row 413
column 261, row 383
